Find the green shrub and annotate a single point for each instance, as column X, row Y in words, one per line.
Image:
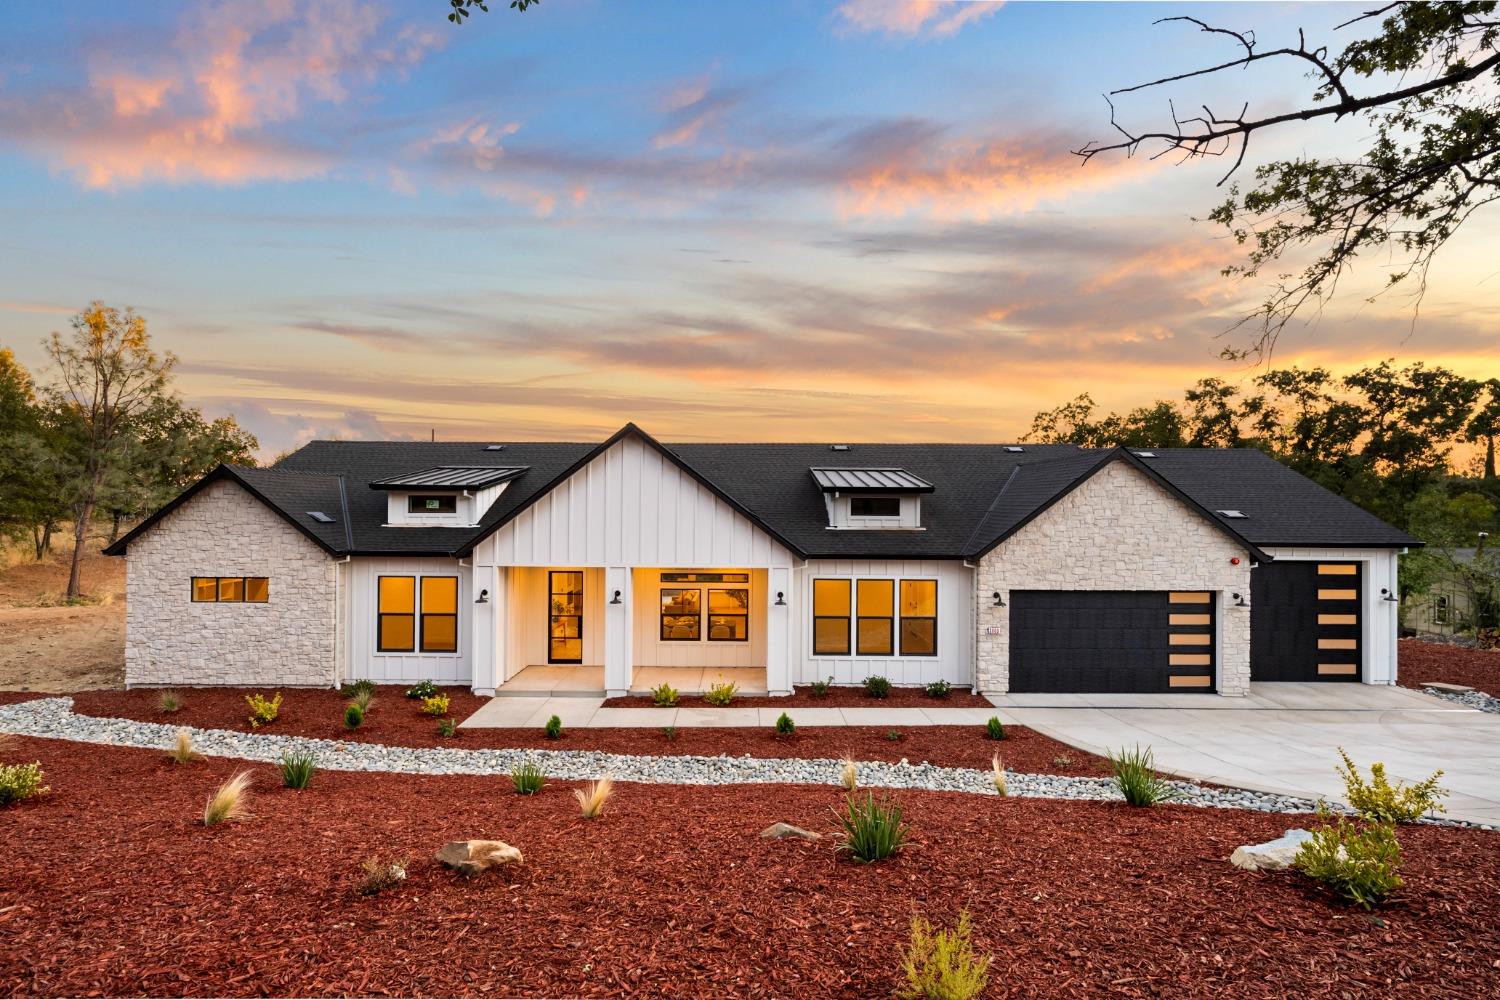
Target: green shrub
column 435, row 704
column 354, row 716
column 527, row 778
column 169, row 702
column 721, row 694
column 1359, row 863
column 877, row 687
column 421, row 690
column 784, row 725
column 664, row 695
column 364, row 699
column 894, row 735
column 670, row 732
column 376, row 875
column 1381, row 802
column 820, row 688
column 1136, row 777
column 364, row 688
column 994, row 729
column 297, row 767
column 262, row 712
column 941, row 965
column 870, row 830
column 447, row 728
column 19, row 782
column 553, row 728
column 939, row 689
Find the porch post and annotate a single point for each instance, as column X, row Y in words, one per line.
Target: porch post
column 617, row 638
column 780, row 620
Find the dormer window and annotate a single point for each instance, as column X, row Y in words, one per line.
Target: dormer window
column 446, row 496
column 865, row 506
column 425, row 503
column 872, row 499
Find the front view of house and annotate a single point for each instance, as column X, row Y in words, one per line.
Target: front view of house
column 1009, row 568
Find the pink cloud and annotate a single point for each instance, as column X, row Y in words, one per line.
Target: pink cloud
column 929, row 18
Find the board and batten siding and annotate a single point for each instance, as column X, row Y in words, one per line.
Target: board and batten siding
column 652, row 651
column 1378, row 618
column 954, row 661
column 366, row 662
column 530, row 615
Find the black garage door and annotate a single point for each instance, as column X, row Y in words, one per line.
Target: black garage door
column 1304, row 621
column 1111, row 641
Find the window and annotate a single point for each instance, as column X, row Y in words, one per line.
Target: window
column 680, row 609
column 231, row 589
column 729, row 615
column 421, row 504
column 831, row 617
column 705, row 578
column 918, row 617
column 874, row 506
column 877, row 618
column 565, row 616
column 439, row 614
column 396, row 615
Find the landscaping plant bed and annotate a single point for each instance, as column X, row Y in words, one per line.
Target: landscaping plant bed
column 1419, row 662
column 115, row 888
column 837, row 697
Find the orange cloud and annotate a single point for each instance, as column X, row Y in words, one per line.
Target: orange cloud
column 932, row 18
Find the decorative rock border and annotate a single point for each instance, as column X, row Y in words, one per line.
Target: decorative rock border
column 53, row 718
column 1469, row 699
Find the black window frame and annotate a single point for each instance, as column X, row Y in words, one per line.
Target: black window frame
column 413, row 498
column 855, row 501
column 847, row 619
column 422, row 615
column 244, row 589
column 901, row 618
column 381, row 616
column 890, row 620
column 663, row 615
column 552, row 591
column 708, row 612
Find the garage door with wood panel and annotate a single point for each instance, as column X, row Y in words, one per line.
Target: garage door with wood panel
column 1304, row 621
column 1111, row 641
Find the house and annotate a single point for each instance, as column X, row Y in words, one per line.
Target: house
column 1462, row 599
column 1011, row 568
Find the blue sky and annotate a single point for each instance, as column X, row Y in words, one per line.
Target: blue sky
column 724, row 221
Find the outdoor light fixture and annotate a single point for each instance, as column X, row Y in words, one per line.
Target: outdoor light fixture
column 999, row 601
column 1239, row 601
column 616, row 599
column 1386, row 595
column 780, row 599
column 483, row 598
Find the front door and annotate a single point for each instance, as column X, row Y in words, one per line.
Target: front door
column 565, row 616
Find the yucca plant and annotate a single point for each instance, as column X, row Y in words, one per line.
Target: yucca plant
column 997, row 776
column 849, row 774
column 870, row 829
column 297, row 768
column 592, row 798
column 527, row 778
column 228, row 802
column 1136, row 777
column 182, row 747
column 169, row 702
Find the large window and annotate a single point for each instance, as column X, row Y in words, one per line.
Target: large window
column 877, row 618
column 396, row 615
column 918, row 617
column 439, row 614
column 231, row 589
column 729, row 615
column 441, row 504
column 831, row 617
column 680, row 614
column 875, row 506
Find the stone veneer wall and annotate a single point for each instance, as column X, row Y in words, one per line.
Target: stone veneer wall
column 1117, row 531
column 224, row 531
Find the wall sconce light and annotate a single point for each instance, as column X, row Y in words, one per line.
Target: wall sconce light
column 999, row 601
column 1239, row 601
column 1386, row 595
column 483, row 598
column 616, row 599
column 780, row 599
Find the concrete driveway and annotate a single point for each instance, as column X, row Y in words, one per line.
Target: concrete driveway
column 1284, row 737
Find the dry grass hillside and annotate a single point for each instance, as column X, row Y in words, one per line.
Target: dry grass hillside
column 47, row 644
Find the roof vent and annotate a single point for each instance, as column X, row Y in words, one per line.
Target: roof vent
column 1233, row 513
column 838, row 447
column 494, row 447
column 1014, row 448
column 1145, row 454
column 320, row 517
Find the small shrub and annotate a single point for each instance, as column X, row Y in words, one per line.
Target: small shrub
column 591, row 799
column 784, row 725
column 994, row 729
column 1062, row 761
column 363, row 688
column 182, row 748
column 721, row 694
column 877, row 687
column 670, row 732
column 527, row 778
column 377, row 876
column 262, row 712
column 228, row 802
column 894, row 735
column 849, row 774
column 1361, row 865
column 553, row 728
column 435, row 705
column 941, row 965
column 939, row 689
column 447, row 728
column 354, row 716
column 820, row 688
column 169, row 702
column 421, row 690
column 664, row 695
column 870, row 830
column 364, row 699
column 1136, row 777
column 1381, row 802
column 997, row 776
column 297, row 768
column 19, row 782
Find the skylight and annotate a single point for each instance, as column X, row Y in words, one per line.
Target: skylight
column 320, row 517
column 1233, row 513
column 494, row 447
column 838, row 447
column 1145, row 454
column 1014, row 447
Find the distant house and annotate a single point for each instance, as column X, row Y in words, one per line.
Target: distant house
column 1011, row 568
column 1449, row 607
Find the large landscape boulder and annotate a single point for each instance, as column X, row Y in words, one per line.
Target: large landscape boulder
column 781, row 831
column 470, row 857
column 1272, row 856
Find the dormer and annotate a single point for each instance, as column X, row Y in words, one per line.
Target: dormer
column 446, row 496
column 872, row 499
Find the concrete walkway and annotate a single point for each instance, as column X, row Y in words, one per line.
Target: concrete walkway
column 590, row 713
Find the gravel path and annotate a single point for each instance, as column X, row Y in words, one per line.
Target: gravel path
column 53, row 718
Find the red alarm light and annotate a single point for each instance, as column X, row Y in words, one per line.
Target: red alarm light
column 1234, row 560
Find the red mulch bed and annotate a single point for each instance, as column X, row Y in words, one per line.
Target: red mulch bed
column 837, row 697
column 1419, row 662
column 112, row 887
column 396, row 721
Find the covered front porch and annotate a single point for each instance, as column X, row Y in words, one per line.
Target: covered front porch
column 557, row 680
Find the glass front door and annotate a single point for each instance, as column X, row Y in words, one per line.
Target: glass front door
column 565, row 616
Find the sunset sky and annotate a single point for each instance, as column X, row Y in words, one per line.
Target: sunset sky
column 732, row 221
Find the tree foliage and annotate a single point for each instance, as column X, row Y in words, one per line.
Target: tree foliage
column 461, row 9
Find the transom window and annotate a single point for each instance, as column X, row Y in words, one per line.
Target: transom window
column 874, row 617
column 231, row 589
column 874, row 506
column 401, row 628
column 420, row 503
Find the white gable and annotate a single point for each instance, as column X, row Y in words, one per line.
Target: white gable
column 631, row 506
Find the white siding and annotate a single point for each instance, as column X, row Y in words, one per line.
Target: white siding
column 651, row 651
column 1377, row 617
column 955, row 612
column 403, row 668
column 839, row 515
column 529, row 617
